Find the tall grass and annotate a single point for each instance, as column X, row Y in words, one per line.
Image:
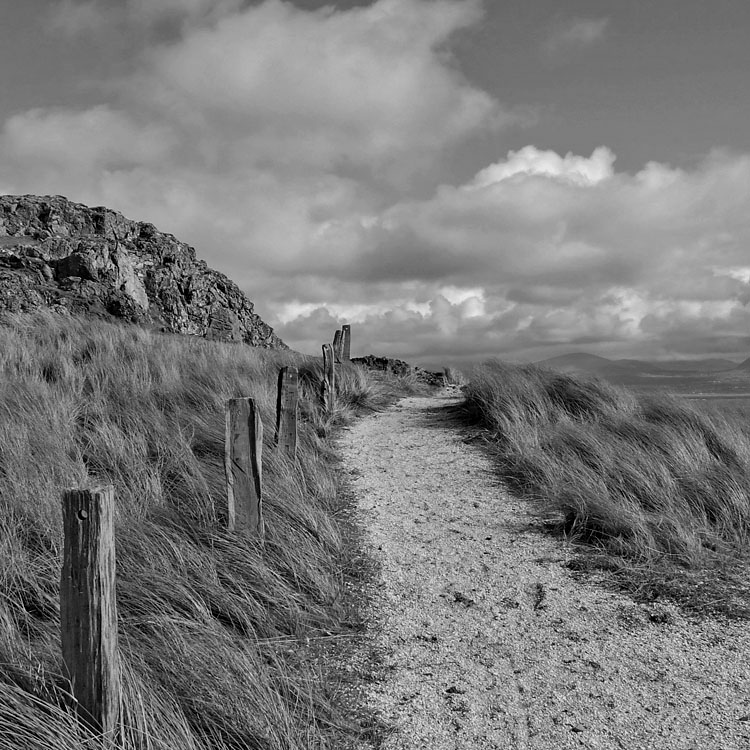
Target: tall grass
column 643, row 477
column 215, row 632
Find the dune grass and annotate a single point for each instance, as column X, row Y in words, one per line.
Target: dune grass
column 215, row 632
column 649, row 482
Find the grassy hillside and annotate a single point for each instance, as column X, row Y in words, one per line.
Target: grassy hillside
column 661, row 489
column 215, row 633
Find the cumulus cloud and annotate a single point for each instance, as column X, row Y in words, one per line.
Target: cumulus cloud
column 354, row 89
column 92, row 140
column 574, row 34
column 286, row 145
column 72, row 17
column 75, row 18
column 438, row 333
column 564, row 251
column 275, row 121
column 570, row 168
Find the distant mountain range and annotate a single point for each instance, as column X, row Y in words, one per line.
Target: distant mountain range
column 582, row 362
column 692, row 375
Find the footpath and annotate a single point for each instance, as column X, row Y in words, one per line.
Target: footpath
column 488, row 639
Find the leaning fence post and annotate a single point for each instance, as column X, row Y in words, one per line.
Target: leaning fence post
column 329, row 379
column 286, row 411
column 88, row 606
column 337, row 341
column 346, row 343
column 243, row 451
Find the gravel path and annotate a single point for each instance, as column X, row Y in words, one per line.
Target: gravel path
column 489, row 641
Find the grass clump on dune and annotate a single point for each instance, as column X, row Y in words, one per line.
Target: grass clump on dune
column 215, row 632
column 648, row 480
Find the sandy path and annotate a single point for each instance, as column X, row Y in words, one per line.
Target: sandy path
column 489, row 641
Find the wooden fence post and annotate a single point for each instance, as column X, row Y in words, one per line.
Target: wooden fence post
column 346, row 343
column 88, row 606
column 286, row 411
column 243, row 452
column 337, row 341
column 329, row 380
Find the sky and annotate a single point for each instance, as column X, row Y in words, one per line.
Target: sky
column 455, row 179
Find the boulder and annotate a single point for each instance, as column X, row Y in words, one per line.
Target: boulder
column 399, row 368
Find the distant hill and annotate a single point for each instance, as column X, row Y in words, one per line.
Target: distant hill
column 715, row 364
column 65, row 256
column 581, row 362
column 693, row 376
column 575, row 361
column 594, row 364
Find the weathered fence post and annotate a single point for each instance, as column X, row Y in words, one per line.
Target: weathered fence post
column 346, row 343
column 286, row 411
column 329, row 380
column 88, row 607
column 243, row 464
column 337, row 340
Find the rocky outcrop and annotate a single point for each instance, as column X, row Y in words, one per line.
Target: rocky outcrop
column 399, row 368
column 68, row 257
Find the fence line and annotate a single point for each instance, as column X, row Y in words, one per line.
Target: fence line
column 88, row 604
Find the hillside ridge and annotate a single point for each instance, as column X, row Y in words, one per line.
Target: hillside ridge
column 76, row 259
column 583, row 361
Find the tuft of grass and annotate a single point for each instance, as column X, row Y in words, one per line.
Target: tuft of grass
column 644, row 479
column 215, row 631
column 452, row 376
column 358, row 390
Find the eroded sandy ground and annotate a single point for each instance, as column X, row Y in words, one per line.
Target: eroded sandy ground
column 490, row 642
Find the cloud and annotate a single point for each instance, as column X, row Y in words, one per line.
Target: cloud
column 89, row 141
column 278, row 123
column 570, row 168
column 72, row 18
column 332, row 90
column 555, row 252
column 75, row 18
column 288, row 145
column 574, row 34
column 440, row 333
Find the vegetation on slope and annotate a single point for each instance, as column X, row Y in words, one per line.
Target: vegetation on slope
column 215, row 633
column 658, row 487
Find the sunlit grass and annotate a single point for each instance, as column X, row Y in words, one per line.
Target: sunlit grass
column 648, row 480
column 213, row 628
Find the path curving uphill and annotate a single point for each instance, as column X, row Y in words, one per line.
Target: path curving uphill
column 488, row 639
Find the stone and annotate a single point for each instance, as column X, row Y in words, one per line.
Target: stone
column 399, row 368
column 74, row 259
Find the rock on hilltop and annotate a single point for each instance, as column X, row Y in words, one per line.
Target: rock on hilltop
column 74, row 259
column 399, row 368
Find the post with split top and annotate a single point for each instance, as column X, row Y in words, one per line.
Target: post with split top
column 337, row 341
column 328, row 385
column 244, row 469
column 286, row 411
column 346, row 343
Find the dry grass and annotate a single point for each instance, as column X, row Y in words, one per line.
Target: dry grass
column 455, row 377
column 652, row 484
column 214, row 631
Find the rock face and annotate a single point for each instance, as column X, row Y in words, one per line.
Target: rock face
column 68, row 257
column 386, row 364
column 399, row 368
